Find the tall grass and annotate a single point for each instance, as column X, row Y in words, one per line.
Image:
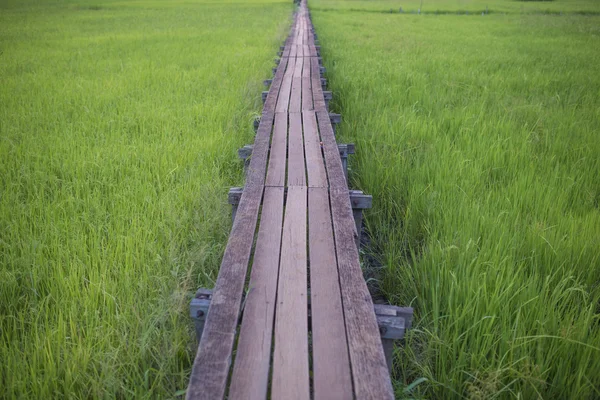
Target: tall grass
column 459, row 6
column 118, row 128
column 478, row 138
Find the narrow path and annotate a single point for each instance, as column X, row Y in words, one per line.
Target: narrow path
column 297, row 194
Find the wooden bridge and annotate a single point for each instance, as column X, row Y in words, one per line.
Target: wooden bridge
column 307, row 325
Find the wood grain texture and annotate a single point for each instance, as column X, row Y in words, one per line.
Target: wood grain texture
column 271, row 99
column 296, row 95
column 331, row 368
column 283, row 100
column 278, row 154
column 296, row 173
column 250, row 376
column 369, row 369
column 290, row 357
column 315, row 165
column 293, row 51
column 318, row 99
column 307, row 96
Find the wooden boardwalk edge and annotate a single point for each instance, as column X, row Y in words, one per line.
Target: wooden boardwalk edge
column 309, row 328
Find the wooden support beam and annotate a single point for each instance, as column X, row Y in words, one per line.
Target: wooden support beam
column 358, row 200
column 345, row 150
column 256, row 124
column 393, row 321
column 199, row 309
column 244, row 153
column 335, row 120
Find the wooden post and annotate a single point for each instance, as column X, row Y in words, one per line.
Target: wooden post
column 199, row 309
column 244, row 153
column 327, row 96
column 359, row 202
column 335, row 120
column 345, row 151
column 256, row 124
column 393, row 322
column 233, row 198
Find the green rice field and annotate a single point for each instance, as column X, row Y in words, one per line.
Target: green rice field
column 477, row 135
column 119, row 124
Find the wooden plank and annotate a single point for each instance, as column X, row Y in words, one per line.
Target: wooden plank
column 283, row 100
column 369, row 370
column 296, row 95
column 250, row 376
column 290, row 357
column 296, row 175
column 255, row 175
column 298, row 68
column 307, row 96
column 278, row 156
column 318, row 99
column 211, row 364
column 315, row 166
column 271, row 100
column 331, row 368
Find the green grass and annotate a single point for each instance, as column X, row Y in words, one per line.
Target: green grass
column 460, row 6
column 119, row 122
column 478, row 138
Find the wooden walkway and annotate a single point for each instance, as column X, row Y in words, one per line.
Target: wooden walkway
column 306, row 307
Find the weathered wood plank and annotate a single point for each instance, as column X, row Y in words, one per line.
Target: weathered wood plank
column 369, row 370
column 293, row 51
column 255, row 174
column 296, row 96
column 307, row 96
column 278, row 155
column 331, row 367
column 315, row 165
column 296, row 172
column 283, row 100
column 211, row 364
column 250, row 376
column 318, row 99
column 271, row 100
column 290, row 357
